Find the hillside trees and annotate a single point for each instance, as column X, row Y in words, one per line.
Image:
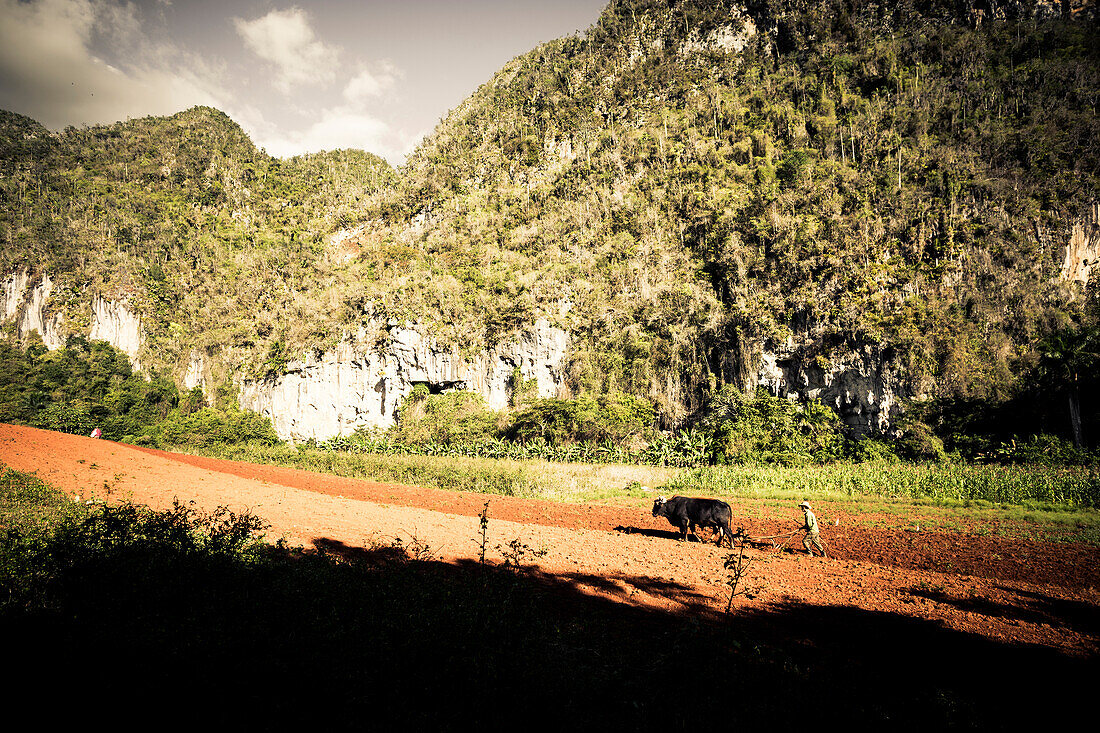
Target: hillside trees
column 855, row 174
column 186, row 218
column 1069, row 366
column 683, row 187
column 89, row 384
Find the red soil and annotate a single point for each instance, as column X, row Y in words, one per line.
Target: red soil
column 1006, row 590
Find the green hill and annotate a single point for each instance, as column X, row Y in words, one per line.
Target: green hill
column 219, row 245
column 699, row 181
column 685, row 187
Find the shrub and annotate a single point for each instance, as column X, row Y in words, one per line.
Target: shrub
column 919, row 443
column 90, row 384
column 452, row 417
column 865, row 450
column 614, row 417
column 67, row 417
column 771, row 430
column 210, row 426
column 1043, row 450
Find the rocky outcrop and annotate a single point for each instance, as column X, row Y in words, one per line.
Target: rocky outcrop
column 112, row 321
column 863, row 386
column 115, row 323
column 1083, row 248
column 349, row 387
column 27, row 306
column 730, row 38
column 14, row 289
column 195, row 375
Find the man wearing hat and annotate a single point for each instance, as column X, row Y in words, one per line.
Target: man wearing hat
column 812, row 538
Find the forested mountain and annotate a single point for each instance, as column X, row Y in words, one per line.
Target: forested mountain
column 217, row 244
column 698, row 181
column 685, row 188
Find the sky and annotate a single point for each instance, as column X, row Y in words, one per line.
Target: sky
column 371, row 74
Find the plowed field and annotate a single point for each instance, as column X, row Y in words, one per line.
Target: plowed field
column 1009, row 591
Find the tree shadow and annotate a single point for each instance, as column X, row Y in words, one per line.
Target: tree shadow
column 361, row 636
column 376, row 554
column 1038, row 608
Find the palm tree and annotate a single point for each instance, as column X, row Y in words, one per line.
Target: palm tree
column 1068, row 356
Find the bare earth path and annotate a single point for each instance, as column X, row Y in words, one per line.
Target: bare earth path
column 1014, row 592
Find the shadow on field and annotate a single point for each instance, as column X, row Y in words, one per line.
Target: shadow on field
column 703, row 535
column 1037, row 609
column 366, row 637
column 663, row 534
column 620, row 585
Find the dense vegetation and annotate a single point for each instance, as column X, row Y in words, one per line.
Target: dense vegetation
column 452, row 441
column 1036, row 485
column 684, row 186
column 144, row 612
column 90, row 384
column 219, row 246
column 855, row 175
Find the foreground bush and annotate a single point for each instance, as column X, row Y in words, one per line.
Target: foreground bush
column 133, row 616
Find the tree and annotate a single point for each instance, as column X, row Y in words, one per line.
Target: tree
column 1069, row 357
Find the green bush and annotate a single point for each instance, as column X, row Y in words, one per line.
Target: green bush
column 918, row 442
column 452, row 417
column 1042, row 450
column 90, row 384
column 209, row 427
column 614, row 417
column 771, row 430
column 866, row 450
column 67, row 417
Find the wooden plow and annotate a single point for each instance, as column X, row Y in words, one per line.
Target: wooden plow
column 779, row 542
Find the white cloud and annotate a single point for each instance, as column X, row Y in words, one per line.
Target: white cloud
column 48, row 71
column 71, row 62
column 339, row 127
column 371, row 83
column 285, row 39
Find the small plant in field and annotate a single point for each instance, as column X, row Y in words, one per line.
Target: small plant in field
column 483, row 517
column 925, row 587
column 736, row 567
column 415, row 549
column 517, row 553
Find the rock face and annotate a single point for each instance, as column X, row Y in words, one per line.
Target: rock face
column 195, row 376
column 112, row 321
column 28, row 308
column 116, row 324
column 1083, row 247
column 863, row 386
column 349, row 388
column 14, row 288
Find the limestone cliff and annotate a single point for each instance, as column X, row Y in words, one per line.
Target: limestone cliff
column 344, row 389
column 116, row 324
column 350, row 387
column 1083, row 248
column 28, row 306
column 864, row 386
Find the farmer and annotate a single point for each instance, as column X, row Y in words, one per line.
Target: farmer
column 809, row 523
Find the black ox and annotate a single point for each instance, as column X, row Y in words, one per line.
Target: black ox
column 685, row 513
